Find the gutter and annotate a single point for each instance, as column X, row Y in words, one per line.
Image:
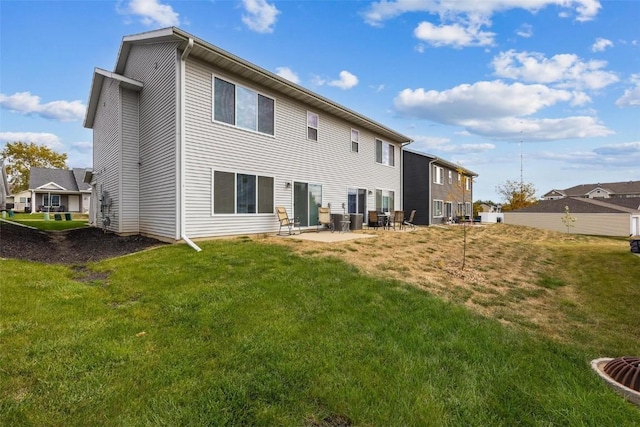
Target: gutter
column 181, row 140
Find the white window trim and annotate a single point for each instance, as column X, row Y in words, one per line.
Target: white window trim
column 235, row 126
column 317, row 128
column 385, row 144
column 438, row 175
column 357, row 140
column 235, row 195
column 441, row 202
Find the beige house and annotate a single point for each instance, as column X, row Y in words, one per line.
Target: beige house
column 613, row 217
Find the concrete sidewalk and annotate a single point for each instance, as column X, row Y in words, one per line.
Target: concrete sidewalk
column 328, row 237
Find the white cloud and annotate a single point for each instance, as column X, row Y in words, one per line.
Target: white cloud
column 261, row 16
column 346, row 81
column 40, row 138
column 623, row 149
column 28, row 104
column 525, row 31
column 631, row 97
column 484, row 100
column 536, row 130
column 498, row 110
column 601, row 44
column 428, row 143
column 563, row 70
column 287, row 73
column 151, row 12
column 384, row 10
column 456, row 35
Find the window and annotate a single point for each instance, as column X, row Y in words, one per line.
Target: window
column 459, row 178
column 385, row 153
column 460, row 211
column 355, row 138
column 357, row 200
column 438, row 175
column 437, row 208
column 450, row 177
column 237, row 193
column 242, row 107
column 467, row 183
column 384, row 200
column 467, row 209
column 55, row 200
column 312, row 126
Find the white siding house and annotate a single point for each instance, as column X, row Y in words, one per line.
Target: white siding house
column 191, row 141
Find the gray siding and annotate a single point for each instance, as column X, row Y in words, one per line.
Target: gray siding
column 156, row 66
column 288, row 156
column 129, row 182
column 601, row 224
column 106, row 152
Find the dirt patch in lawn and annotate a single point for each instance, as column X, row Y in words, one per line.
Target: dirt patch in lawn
column 76, row 246
column 510, row 273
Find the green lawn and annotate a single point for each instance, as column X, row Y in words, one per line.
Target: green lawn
column 246, row 333
column 39, row 221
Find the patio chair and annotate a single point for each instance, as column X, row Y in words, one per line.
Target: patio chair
column 398, row 219
column 373, row 220
column 324, row 218
column 409, row 221
column 286, row 222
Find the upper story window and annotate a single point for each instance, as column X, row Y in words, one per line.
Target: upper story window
column 355, row 139
column 385, row 153
column 450, row 177
column 467, row 183
column 242, row 107
column 438, row 175
column 312, row 126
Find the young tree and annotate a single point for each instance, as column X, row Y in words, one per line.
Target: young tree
column 517, row 195
column 22, row 156
column 461, row 193
column 568, row 219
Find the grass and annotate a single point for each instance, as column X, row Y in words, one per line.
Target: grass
column 248, row 332
column 38, row 220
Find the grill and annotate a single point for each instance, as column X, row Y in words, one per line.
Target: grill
column 625, row 371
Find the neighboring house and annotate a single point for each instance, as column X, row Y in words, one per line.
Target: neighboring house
column 438, row 190
column 613, row 217
column 62, row 190
column 190, row 141
column 624, row 189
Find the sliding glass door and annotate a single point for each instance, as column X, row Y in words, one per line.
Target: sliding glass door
column 307, row 198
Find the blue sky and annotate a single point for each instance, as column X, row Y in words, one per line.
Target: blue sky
column 549, row 85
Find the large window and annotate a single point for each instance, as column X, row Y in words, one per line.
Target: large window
column 355, row 140
column 238, row 193
column 357, row 200
column 438, row 175
column 384, row 200
column 55, row 200
column 242, row 107
column 312, row 126
column 385, row 153
column 437, row 208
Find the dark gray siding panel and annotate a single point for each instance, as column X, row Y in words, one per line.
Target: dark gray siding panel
column 156, row 66
column 416, row 186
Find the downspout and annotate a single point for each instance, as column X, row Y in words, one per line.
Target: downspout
column 183, row 60
column 402, row 145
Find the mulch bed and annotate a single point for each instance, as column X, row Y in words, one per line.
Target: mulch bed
column 75, row 246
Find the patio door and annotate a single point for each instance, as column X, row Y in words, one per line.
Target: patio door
column 307, row 198
column 448, row 210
